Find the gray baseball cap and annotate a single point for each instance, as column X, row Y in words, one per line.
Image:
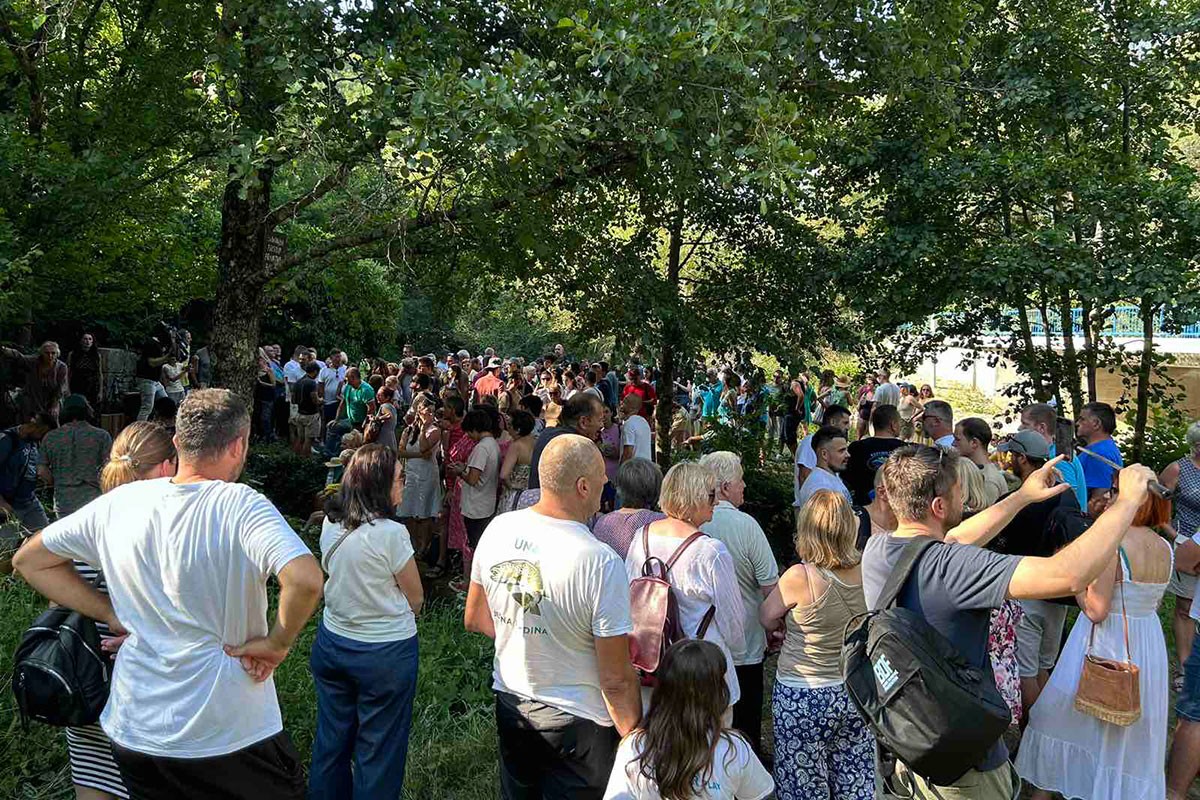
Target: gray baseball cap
column 1027, row 443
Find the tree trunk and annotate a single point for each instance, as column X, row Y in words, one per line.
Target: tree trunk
column 672, row 343
column 1089, row 349
column 1070, row 361
column 1145, row 370
column 240, row 283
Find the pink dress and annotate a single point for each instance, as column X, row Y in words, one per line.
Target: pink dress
column 456, row 536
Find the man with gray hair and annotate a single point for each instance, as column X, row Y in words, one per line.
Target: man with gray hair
column 757, row 573
column 556, row 602
column 186, row 560
column 937, row 422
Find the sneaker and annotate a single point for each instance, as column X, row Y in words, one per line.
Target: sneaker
column 459, row 586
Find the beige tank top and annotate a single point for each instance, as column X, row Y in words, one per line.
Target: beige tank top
column 811, row 653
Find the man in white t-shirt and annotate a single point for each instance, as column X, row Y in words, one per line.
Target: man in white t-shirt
column 557, row 603
column 330, row 380
column 757, row 574
column 833, row 453
column 186, row 560
column 806, row 459
column 635, row 431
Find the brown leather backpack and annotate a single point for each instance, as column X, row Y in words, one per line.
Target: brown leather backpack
column 655, row 611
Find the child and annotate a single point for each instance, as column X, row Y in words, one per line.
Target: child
column 683, row 751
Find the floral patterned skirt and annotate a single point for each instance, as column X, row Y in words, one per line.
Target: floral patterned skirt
column 1002, row 651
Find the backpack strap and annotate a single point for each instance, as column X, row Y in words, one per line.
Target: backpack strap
column 679, row 550
column 705, row 622
column 913, row 550
column 333, row 549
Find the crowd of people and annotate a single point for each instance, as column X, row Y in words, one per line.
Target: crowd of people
column 540, row 479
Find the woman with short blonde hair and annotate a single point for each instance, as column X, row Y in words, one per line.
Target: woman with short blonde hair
column 688, row 492
column 703, row 578
column 822, row 746
column 970, row 478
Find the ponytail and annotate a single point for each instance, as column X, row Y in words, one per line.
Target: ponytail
column 138, row 449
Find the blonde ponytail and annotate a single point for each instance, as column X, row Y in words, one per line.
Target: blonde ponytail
column 138, row 449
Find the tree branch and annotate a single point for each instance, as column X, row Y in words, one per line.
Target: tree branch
column 286, row 211
column 431, row 218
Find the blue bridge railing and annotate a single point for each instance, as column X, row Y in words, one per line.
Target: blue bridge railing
column 1125, row 322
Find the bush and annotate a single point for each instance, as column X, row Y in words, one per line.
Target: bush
column 1166, row 439
column 288, row 480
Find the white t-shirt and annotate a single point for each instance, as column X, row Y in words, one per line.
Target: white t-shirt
column 821, row 479
column 479, row 501
column 332, row 379
column 755, row 566
column 636, row 433
column 362, row 600
column 805, row 457
column 292, row 371
column 737, row 774
column 702, row 578
column 186, row 567
column 551, row 589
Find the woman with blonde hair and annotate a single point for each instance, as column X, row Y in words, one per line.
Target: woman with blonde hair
column 822, row 746
column 699, row 567
column 970, row 478
column 142, row 451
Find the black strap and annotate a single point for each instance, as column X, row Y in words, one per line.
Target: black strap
column 704, row 623
column 913, row 550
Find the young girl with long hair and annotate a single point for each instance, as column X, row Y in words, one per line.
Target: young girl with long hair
column 683, row 749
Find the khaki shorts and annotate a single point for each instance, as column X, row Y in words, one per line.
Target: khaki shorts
column 307, row 426
column 1039, row 636
column 996, row 784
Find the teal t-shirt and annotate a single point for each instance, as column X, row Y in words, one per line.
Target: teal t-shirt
column 357, row 400
column 1072, row 473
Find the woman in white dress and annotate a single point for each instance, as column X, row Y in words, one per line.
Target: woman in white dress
column 1079, row 756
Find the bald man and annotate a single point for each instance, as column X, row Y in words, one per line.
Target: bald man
column 635, row 432
column 556, row 601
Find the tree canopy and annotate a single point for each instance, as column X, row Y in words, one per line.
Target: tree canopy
column 781, row 175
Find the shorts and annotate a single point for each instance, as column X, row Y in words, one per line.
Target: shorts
column 267, row 769
column 307, row 425
column 1187, row 705
column 1182, row 584
column 1039, row 636
column 995, row 784
column 475, row 529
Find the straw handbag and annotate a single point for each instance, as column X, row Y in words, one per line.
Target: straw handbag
column 1109, row 690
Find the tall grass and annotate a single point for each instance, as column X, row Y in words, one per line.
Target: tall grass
column 452, row 749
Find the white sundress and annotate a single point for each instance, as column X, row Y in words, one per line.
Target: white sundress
column 1079, row 756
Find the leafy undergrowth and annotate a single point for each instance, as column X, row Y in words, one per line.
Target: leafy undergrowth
column 452, row 752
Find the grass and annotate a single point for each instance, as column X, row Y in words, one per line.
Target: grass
column 452, row 750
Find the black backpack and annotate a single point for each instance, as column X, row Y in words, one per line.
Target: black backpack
column 60, row 674
column 925, row 704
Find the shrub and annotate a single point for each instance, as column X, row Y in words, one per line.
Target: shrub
column 288, row 480
column 1166, row 439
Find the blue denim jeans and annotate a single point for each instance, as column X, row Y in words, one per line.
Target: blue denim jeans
column 1187, row 705
column 364, row 713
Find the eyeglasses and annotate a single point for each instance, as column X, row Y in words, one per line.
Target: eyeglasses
column 712, row 497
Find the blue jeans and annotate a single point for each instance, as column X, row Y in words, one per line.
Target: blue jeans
column 364, row 712
column 1187, row 705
